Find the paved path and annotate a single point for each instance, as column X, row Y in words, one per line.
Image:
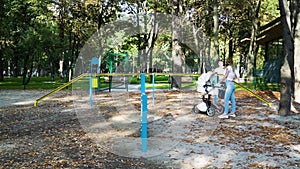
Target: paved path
column 26, row 97
column 19, row 97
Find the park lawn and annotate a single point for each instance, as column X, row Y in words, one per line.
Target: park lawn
column 260, row 86
column 162, row 82
column 40, row 83
column 193, row 86
column 158, row 86
column 35, row 83
column 167, row 85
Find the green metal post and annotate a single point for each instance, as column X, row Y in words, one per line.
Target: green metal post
column 111, row 57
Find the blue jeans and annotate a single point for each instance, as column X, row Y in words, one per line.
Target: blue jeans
column 229, row 95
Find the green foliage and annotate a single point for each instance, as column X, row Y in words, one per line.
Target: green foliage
column 269, row 11
column 38, row 34
column 158, row 79
column 134, row 80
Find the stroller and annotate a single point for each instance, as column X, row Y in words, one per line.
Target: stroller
column 207, row 106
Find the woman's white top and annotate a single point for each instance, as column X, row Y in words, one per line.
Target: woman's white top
column 230, row 73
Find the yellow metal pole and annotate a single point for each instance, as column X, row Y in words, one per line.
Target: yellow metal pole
column 105, row 74
column 58, row 89
column 137, row 74
column 251, row 92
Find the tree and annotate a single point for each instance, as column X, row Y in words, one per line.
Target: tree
column 78, row 21
column 146, row 40
column 99, row 13
column 297, row 54
column 4, row 31
column 216, row 31
column 177, row 53
column 253, row 46
column 207, row 20
column 289, row 20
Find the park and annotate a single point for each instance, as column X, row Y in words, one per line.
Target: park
column 134, row 85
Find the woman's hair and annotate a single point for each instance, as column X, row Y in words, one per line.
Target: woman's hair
column 229, row 62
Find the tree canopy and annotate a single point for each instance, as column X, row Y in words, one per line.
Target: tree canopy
column 46, row 37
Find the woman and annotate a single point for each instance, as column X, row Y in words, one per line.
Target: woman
column 229, row 93
column 218, row 71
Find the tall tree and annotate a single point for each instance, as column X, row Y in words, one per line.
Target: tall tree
column 287, row 68
column 216, row 31
column 3, row 32
column 253, row 46
column 177, row 52
column 290, row 74
column 26, row 19
column 147, row 15
column 297, row 53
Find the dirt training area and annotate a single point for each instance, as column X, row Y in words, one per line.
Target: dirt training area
column 60, row 133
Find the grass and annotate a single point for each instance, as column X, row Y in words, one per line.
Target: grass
column 35, row 83
column 158, row 86
column 161, row 82
column 260, row 86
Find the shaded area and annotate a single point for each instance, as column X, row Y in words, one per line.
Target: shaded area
column 50, row 136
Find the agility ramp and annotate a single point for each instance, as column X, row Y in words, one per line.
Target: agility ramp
column 255, row 95
column 59, row 88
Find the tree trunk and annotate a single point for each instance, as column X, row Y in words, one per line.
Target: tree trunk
column 199, row 47
column 29, row 74
column 216, row 33
column 61, row 27
column 153, row 38
column 145, row 42
column 253, row 45
column 15, row 63
column 100, row 23
column 1, row 67
column 52, row 69
column 177, row 54
column 297, row 56
column 286, row 71
column 139, row 68
column 27, row 70
column 285, row 89
column 73, row 40
column 230, row 47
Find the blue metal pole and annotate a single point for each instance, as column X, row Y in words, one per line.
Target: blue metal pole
column 94, row 69
column 91, row 89
column 144, row 111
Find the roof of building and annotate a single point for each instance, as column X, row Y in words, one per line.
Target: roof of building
column 270, row 32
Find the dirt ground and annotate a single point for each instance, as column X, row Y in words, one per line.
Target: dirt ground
column 64, row 132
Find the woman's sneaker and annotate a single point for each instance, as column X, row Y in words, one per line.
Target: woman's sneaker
column 232, row 114
column 223, row 116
